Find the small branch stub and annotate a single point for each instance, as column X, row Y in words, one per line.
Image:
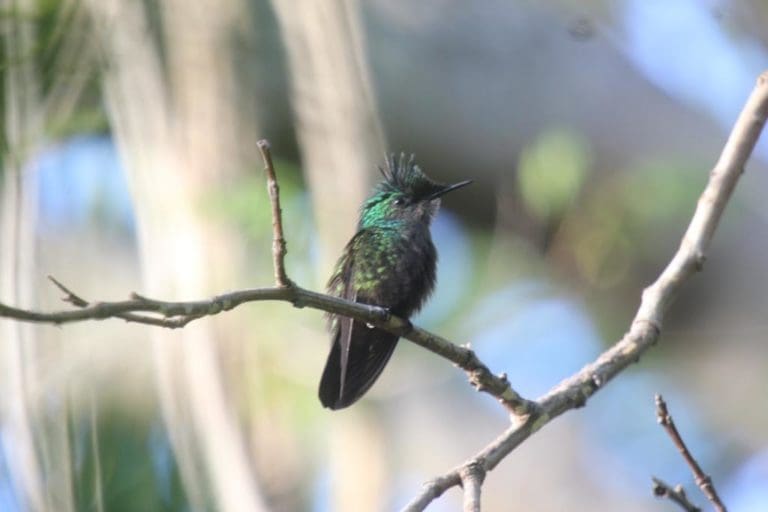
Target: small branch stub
column 675, row 494
column 278, row 240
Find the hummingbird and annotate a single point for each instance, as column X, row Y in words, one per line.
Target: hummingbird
column 390, row 262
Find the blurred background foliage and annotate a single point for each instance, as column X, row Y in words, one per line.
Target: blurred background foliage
column 128, row 155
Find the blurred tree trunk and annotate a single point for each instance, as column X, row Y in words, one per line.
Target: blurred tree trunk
column 338, row 128
column 177, row 131
column 17, row 232
column 18, row 339
column 341, row 142
column 37, row 408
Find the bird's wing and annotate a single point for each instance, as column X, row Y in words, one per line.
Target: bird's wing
column 359, row 352
column 346, row 328
column 346, row 379
column 369, row 351
column 345, row 287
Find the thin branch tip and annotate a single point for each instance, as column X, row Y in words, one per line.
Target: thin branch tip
column 58, row 284
column 703, row 480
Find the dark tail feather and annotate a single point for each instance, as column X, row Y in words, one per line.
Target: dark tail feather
column 369, row 352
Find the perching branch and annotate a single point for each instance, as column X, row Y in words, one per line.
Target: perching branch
column 674, row 494
column 527, row 416
column 645, row 329
column 140, row 309
column 703, row 480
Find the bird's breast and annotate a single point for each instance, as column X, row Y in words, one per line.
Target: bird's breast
column 403, row 273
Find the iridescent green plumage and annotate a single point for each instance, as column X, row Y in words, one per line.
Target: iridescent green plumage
column 390, row 262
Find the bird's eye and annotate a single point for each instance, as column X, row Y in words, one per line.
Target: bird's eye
column 399, row 201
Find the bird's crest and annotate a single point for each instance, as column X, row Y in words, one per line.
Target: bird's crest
column 403, row 175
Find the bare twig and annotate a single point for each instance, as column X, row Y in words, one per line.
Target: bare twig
column 80, row 302
column 278, row 240
column 703, row 480
column 644, row 331
column 676, row 495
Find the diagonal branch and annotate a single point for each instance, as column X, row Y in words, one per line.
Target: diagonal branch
column 703, row 480
column 645, row 329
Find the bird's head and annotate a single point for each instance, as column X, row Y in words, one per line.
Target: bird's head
column 406, row 195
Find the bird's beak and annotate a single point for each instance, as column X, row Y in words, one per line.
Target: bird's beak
column 449, row 188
